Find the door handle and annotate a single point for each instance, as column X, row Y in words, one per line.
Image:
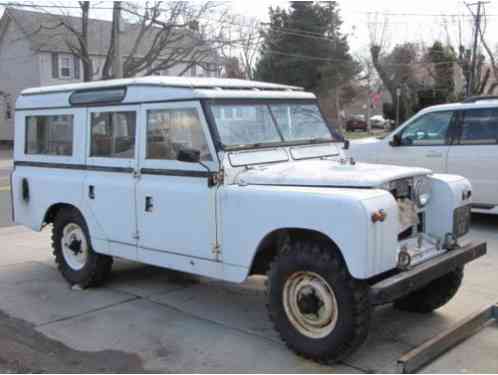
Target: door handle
column 149, row 204
column 91, row 192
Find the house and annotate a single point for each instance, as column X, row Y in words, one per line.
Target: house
column 34, row 52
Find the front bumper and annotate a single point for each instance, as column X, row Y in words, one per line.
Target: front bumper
column 406, row 282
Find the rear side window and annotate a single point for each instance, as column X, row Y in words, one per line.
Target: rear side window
column 49, row 135
column 479, row 126
column 113, row 134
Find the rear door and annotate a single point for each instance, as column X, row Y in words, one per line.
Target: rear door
column 424, row 143
column 475, row 154
column 110, row 183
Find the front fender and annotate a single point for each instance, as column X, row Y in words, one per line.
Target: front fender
column 249, row 213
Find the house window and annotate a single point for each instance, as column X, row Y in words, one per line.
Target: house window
column 66, row 66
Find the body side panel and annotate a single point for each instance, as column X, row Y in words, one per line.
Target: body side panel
column 249, row 213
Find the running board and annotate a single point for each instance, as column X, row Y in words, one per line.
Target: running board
column 460, row 331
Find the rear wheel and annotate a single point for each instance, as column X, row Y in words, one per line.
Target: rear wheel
column 74, row 255
column 433, row 296
column 318, row 309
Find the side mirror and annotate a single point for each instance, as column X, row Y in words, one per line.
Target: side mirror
column 346, row 144
column 396, row 141
column 189, row 155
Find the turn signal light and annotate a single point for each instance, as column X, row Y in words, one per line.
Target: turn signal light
column 379, row 216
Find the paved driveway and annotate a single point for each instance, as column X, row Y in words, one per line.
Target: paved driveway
column 175, row 322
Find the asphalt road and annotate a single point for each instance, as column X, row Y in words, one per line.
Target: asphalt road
column 5, row 215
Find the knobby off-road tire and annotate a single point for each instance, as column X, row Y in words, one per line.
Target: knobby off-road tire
column 73, row 252
column 431, row 297
column 306, row 268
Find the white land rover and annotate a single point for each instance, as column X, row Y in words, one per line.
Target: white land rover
column 231, row 178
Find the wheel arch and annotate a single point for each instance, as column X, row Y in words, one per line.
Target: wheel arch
column 54, row 209
column 268, row 247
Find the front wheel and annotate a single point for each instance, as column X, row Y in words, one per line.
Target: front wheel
column 75, row 258
column 318, row 309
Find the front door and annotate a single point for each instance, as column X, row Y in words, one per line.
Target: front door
column 175, row 205
column 424, row 143
column 110, row 183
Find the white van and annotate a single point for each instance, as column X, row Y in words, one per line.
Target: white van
column 231, row 178
column 459, row 138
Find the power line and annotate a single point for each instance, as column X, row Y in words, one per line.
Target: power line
column 408, row 14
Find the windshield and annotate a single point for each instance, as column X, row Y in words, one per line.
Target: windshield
column 256, row 124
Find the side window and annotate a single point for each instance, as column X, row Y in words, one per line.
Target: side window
column 49, row 135
column 429, row 130
column 169, row 130
column 113, row 134
column 479, row 126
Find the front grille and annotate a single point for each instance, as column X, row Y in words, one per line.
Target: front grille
column 401, row 189
column 461, row 221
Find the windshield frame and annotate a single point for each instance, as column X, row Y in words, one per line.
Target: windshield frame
column 207, row 105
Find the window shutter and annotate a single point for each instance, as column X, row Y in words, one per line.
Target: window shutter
column 76, row 67
column 55, row 65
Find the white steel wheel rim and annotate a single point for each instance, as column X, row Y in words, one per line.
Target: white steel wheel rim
column 310, row 304
column 74, row 246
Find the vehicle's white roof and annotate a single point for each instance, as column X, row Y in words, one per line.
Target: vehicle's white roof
column 478, row 103
column 161, row 88
column 166, row 81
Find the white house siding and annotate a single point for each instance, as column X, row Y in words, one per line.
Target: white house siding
column 46, row 78
column 18, row 70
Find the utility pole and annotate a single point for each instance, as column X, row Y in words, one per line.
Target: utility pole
column 117, row 67
column 398, row 96
column 369, row 100
column 477, row 28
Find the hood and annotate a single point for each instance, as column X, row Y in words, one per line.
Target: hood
column 326, row 173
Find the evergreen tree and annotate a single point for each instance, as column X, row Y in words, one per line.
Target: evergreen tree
column 304, row 46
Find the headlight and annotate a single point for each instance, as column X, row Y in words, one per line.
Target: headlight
column 422, row 189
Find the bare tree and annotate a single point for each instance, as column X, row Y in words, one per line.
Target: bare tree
column 174, row 32
column 250, row 40
column 243, row 51
column 395, row 68
column 153, row 38
column 490, row 89
column 482, row 72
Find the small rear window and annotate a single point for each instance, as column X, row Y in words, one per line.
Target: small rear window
column 49, row 135
column 99, row 96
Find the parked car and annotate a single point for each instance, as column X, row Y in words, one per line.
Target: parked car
column 227, row 179
column 459, row 138
column 378, row 122
column 356, row 123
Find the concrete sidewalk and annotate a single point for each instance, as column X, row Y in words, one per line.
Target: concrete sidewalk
column 176, row 322
column 5, row 157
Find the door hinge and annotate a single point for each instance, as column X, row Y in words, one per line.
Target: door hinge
column 136, row 173
column 216, row 250
column 135, row 235
column 216, row 179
